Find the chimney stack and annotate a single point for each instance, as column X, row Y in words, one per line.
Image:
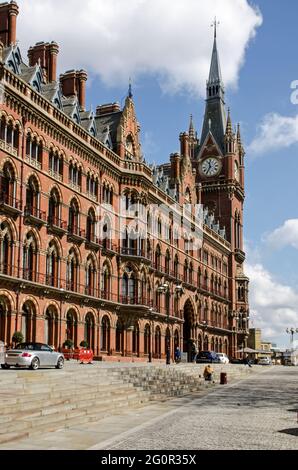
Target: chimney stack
column 74, row 83
column 68, row 83
column 8, row 23
column 53, row 50
column 107, row 109
column 46, row 55
column 81, row 88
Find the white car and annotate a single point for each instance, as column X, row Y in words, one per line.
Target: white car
column 223, row 358
column 265, row 361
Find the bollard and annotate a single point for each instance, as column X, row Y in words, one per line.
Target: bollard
column 223, row 378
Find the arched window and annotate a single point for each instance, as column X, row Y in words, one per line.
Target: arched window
column 176, row 340
column 91, row 225
column 30, row 257
column 168, row 302
column 185, row 271
column 29, row 322
column 52, row 265
column 54, row 208
column 51, row 327
column 56, row 165
column 105, row 334
column 167, row 262
column 157, row 298
column 72, row 327
column 92, row 186
column 106, row 233
column 199, row 277
column 176, row 267
column 89, row 333
column 8, row 185
column 129, row 291
column 135, row 339
column 5, row 320
column 9, row 133
column 32, row 197
column 73, row 222
column 120, row 337
column 72, row 270
column 90, row 276
column 3, row 129
column 157, row 258
column 190, row 280
column 147, row 339
column 106, row 282
column 168, row 341
column 6, row 249
column 142, row 299
column 157, row 343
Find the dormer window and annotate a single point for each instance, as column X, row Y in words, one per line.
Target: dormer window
column 129, row 147
column 36, row 86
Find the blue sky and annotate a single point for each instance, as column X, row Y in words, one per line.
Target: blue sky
column 258, row 50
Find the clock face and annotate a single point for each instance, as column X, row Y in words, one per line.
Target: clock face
column 236, row 171
column 211, row 166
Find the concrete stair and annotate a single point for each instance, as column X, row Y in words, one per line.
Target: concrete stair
column 47, row 400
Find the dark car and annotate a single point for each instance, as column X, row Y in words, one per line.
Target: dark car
column 234, row 360
column 206, row 356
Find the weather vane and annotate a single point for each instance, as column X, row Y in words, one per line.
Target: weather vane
column 214, row 25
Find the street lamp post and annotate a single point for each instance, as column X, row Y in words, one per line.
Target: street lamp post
column 292, row 331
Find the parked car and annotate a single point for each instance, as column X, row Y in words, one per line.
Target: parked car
column 265, row 361
column 33, row 355
column 206, row 356
column 223, row 358
column 234, row 360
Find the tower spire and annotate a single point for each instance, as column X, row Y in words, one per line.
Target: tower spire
column 129, row 88
column 229, row 130
column 215, row 110
column 215, row 71
column 191, row 131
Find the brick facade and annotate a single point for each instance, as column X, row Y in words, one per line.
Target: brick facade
column 86, row 251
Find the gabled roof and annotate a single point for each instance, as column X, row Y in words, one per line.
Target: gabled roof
column 108, row 122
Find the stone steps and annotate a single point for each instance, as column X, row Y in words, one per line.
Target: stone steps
column 35, row 401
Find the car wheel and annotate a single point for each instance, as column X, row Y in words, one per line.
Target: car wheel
column 34, row 363
column 5, row 366
column 60, row 363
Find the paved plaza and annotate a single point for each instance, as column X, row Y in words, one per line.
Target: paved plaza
column 259, row 412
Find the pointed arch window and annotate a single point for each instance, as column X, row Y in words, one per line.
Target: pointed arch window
column 30, row 257
column 32, row 197
column 54, row 208
column 90, row 277
column 6, row 249
column 53, row 262
column 73, row 224
column 72, row 270
column 8, row 185
column 91, row 225
column 105, row 334
column 106, row 282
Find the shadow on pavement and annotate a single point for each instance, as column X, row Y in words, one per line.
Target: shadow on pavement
column 291, row 431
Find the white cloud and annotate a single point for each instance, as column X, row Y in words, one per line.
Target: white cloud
column 285, row 235
column 273, row 306
column 274, row 132
column 116, row 39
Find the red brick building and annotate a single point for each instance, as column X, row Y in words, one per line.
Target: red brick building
column 91, row 240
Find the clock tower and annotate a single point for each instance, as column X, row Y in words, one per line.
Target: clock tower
column 220, row 164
